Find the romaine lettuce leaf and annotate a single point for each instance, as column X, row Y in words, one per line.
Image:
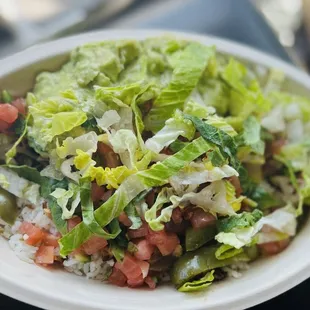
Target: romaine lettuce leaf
column 88, row 213
column 226, row 251
column 252, row 135
column 188, row 69
column 63, row 196
column 217, row 136
column 174, row 127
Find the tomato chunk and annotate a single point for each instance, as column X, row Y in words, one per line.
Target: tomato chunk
column 73, row 222
column 117, row 277
column 35, row 234
column 144, row 250
column 201, row 219
column 130, row 267
column 138, row 233
column 94, row 244
column 150, row 282
column 124, row 219
column 165, row 242
column 145, row 267
column 45, row 255
column 275, row 247
column 139, row 281
column 51, row 240
column 110, row 158
column 20, row 105
column 97, row 192
column 8, row 113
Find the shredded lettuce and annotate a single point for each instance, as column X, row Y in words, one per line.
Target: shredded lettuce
column 88, row 213
column 188, row 69
column 226, row 251
column 63, row 196
column 174, row 127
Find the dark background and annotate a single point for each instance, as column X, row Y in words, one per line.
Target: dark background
column 234, row 19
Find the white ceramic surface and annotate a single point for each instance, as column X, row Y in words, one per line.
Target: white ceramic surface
column 57, row 290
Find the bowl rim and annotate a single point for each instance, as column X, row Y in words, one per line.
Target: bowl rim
column 36, row 53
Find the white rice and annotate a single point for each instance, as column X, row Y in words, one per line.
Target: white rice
column 96, row 268
column 234, row 270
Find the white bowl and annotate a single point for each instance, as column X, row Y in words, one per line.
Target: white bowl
column 60, row 290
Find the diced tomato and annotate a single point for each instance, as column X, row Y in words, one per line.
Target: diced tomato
column 165, row 242
column 117, row 278
column 139, row 281
column 201, row 219
column 236, row 183
column 275, row 247
column 45, row 255
column 73, row 222
column 94, row 244
column 130, row 267
column 124, row 219
column 51, row 240
column 150, row 198
column 8, row 113
column 109, row 156
column 138, row 233
column 277, row 145
column 150, row 282
column 145, row 267
column 97, row 192
column 107, row 195
column 144, row 250
column 35, row 234
column 20, row 105
column 177, row 216
column 4, row 126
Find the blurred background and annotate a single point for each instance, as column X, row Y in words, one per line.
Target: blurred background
column 279, row 27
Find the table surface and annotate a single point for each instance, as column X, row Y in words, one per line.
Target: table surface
column 236, row 20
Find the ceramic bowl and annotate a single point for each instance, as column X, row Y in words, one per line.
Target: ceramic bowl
column 56, row 290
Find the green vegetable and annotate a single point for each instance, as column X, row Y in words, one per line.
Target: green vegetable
column 200, row 262
column 177, row 145
column 117, row 251
column 6, row 97
column 56, row 212
column 198, row 285
column 28, row 173
column 133, row 215
column 160, row 172
column 82, row 258
column 88, row 213
column 197, row 237
column 217, row 136
column 242, row 220
column 10, row 154
column 264, row 199
column 132, row 186
column 226, row 251
column 8, row 207
column 188, row 69
column 252, row 135
column 174, row 127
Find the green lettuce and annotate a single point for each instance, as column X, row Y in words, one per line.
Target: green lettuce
column 188, row 69
column 217, row 136
column 252, row 135
column 174, row 127
column 226, row 251
column 157, row 175
column 63, row 197
column 11, row 153
column 88, row 213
